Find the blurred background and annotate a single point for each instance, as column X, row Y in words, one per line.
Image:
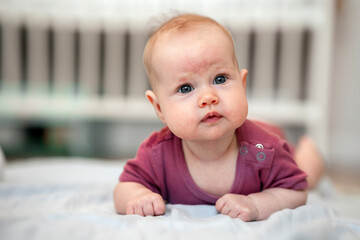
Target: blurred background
column 72, row 81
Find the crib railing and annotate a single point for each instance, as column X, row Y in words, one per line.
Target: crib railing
column 76, row 66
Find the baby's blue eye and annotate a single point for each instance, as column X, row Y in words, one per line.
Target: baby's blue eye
column 186, row 88
column 220, row 79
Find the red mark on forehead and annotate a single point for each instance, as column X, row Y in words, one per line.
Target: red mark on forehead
column 196, row 63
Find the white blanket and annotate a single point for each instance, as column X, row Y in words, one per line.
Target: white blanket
column 72, row 199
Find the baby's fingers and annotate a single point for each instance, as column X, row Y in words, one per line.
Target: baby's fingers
column 134, row 207
column 245, row 215
column 130, row 209
column 229, row 210
column 139, row 210
column 149, row 205
column 219, row 205
column 148, row 209
column 154, row 208
column 158, row 205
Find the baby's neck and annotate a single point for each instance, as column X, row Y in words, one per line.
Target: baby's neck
column 209, row 151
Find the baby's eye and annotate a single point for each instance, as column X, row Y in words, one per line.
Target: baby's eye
column 219, row 79
column 186, row 88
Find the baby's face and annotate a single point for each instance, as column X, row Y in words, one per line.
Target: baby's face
column 200, row 92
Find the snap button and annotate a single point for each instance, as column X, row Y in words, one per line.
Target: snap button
column 243, row 150
column 260, row 156
column 259, row 145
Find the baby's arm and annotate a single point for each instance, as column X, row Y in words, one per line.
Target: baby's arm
column 134, row 198
column 259, row 206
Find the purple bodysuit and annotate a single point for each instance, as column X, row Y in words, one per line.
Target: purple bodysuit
column 265, row 160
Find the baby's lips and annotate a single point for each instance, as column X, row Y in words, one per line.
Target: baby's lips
column 210, row 116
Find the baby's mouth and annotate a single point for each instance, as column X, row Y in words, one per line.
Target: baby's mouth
column 211, row 117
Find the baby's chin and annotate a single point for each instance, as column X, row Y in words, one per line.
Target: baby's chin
column 206, row 136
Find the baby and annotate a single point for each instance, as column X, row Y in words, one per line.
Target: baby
column 209, row 152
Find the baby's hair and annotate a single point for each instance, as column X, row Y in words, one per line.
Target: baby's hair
column 178, row 24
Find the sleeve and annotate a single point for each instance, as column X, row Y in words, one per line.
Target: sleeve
column 143, row 169
column 284, row 172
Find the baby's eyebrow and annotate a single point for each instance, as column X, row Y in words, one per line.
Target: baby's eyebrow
column 178, row 81
column 183, row 78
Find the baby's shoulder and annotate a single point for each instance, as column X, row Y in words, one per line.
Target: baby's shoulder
column 158, row 138
column 255, row 132
column 262, row 143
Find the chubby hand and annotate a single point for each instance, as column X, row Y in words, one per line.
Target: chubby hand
column 147, row 204
column 237, row 206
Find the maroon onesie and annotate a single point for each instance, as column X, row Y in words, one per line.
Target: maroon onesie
column 265, row 160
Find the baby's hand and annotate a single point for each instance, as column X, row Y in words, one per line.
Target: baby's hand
column 148, row 204
column 237, row 206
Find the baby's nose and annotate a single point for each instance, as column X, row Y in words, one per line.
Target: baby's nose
column 208, row 99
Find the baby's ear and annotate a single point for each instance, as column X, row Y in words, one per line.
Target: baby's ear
column 151, row 96
column 243, row 75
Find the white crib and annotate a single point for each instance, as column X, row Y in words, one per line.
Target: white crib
column 68, row 61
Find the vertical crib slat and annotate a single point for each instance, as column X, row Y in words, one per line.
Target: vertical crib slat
column 114, row 66
column 264, row 64
column 64, row 60
column 241, row 41
column 38, row 63
column 11, row 64
column 290, row 64
column 242, row 48
column 137, row 84
column 89, row 62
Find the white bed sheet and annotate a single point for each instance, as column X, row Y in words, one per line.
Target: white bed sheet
column 71, row 198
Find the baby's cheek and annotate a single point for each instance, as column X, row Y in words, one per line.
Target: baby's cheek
column 181, row 125
column 239, row 113
column 237, row 110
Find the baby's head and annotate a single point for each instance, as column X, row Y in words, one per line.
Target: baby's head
column 177, row 27
column 197, row 88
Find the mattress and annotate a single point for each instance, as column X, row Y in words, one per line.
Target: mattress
column 71, row 198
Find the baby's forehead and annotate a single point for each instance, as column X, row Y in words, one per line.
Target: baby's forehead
column 192, row 52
